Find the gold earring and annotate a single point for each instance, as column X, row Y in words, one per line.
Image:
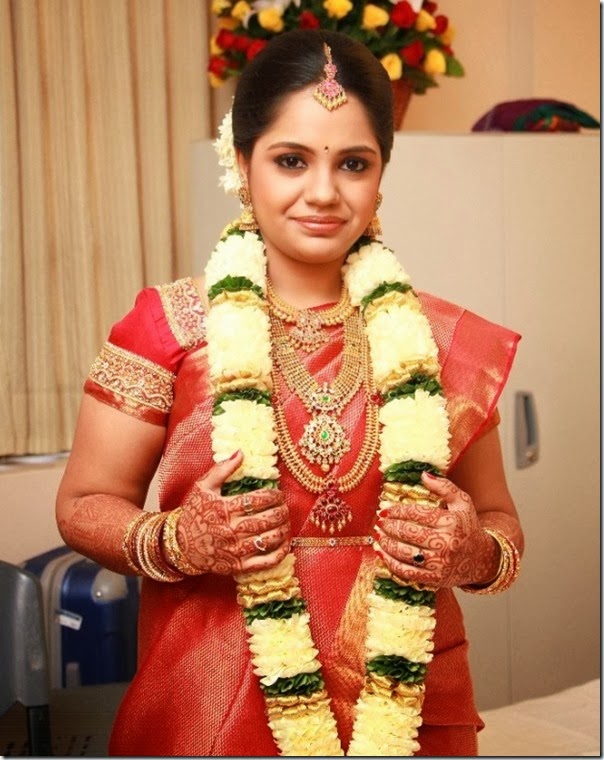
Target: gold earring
column 247, row 221
column 374, row 228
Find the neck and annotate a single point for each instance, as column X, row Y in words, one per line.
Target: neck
column 304, row 286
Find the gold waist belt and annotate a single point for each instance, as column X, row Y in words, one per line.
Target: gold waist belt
column 332, row 542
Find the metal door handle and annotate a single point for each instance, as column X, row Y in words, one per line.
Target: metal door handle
column 526, row 430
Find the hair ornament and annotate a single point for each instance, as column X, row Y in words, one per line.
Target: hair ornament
column 330, row 93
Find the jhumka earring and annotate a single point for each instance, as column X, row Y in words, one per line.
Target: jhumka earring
column 247, row 221
column 374, row 228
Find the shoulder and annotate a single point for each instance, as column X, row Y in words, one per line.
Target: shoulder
column 456, row 328
column 136, row 369
column 165, row 323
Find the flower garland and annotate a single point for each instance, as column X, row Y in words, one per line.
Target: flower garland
column 414, row 437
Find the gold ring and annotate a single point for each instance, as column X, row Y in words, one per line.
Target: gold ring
column 260, row 544
column 247, row 505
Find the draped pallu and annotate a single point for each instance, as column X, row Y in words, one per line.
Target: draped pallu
column 195, row 692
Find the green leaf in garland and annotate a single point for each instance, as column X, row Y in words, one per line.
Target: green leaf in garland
column 301, row 684
column 399, row 668
column 363, row 240
column 454, row 67
column 232, row 285
column 417, row 382
column 409, row 472
column 381, row 290
column 390, row 589
column 245, row 485
column 281, row 610
column 247, row 394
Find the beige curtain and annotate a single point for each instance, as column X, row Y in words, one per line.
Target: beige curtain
column 99, row 103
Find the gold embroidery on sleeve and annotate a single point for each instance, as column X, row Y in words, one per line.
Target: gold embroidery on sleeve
column 134, row 378
column 184, row 311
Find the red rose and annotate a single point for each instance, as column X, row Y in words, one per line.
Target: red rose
column 442, row 23
column 308, row 20
column 225, row 39
column 255, row 47
column 218, row 66
column 429, row 7
column 241, row 43
column 403, row 15
column 413, row 53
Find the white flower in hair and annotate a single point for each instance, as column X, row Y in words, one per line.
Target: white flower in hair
column 225, row 148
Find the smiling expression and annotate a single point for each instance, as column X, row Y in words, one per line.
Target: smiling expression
column 313, row 178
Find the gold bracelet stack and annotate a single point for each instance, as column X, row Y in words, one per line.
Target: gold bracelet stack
column 143, row 548
column 172, row 550
column 509, row 567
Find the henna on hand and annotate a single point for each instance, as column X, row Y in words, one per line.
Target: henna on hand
column 215, row 533
column 454, row 547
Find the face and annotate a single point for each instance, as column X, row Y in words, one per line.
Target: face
column 313, row 178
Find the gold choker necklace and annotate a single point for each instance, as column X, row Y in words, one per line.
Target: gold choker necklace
column 307, row 332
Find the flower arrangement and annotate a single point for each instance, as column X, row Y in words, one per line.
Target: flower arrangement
column 409, row 37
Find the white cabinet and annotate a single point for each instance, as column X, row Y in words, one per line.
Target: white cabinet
column 508, row 225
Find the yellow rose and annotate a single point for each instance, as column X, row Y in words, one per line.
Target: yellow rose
column 373, row 16
column 435, row 62
column 393, row 65
column 215, row 81
column 337, row 8
column 226, row 22
column 448, row 35
column 271, row 19
column 424, row 21
column 220, row 5
column 241, row 10
column 214, row 48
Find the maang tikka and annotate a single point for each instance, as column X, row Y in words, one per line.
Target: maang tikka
column 330, row 93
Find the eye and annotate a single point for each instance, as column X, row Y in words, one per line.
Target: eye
column 290, row 161
column 354, row 164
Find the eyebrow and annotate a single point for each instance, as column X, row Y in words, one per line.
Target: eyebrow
column 300, row 146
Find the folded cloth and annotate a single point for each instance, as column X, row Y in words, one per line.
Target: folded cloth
column 535, row 115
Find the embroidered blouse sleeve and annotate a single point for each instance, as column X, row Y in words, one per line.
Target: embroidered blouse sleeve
column 136, row 368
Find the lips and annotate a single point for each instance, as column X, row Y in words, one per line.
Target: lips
column 324, row 224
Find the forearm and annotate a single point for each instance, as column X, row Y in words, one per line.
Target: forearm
column 95, row 525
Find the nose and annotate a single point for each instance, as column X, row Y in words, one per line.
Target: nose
column 321, row 187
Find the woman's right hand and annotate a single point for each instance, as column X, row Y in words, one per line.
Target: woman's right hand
column 232, row 534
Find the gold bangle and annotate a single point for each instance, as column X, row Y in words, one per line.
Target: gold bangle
column 509, row 567
column 171, row 549
column 142, row 548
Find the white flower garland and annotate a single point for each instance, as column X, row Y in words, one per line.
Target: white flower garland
column 414, row 435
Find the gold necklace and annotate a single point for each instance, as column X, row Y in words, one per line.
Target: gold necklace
column 324, row 440
column 330, row 512
column 307, row 332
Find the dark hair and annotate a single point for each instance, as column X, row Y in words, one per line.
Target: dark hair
column 294, row 60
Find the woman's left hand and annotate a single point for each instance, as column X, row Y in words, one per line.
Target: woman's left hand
column 437, row 546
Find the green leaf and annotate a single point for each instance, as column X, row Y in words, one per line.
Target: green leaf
column 454, row 67
column 381, row 290
column 247, row 394
column 409, row 472
column 424, row 382
column 399, row 668
column 234, row 487
column 232, row 285
column 276, row 610
column 390, row 589
column 301, row 684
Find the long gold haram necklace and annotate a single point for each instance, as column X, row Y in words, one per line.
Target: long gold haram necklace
column 330, row 512
column 324, row 441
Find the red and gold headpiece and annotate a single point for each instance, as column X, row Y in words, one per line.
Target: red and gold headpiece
column 330, row 93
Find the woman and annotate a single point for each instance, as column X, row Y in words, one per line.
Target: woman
column 294, row 402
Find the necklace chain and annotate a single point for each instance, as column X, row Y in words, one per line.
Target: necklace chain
column 307, row 332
